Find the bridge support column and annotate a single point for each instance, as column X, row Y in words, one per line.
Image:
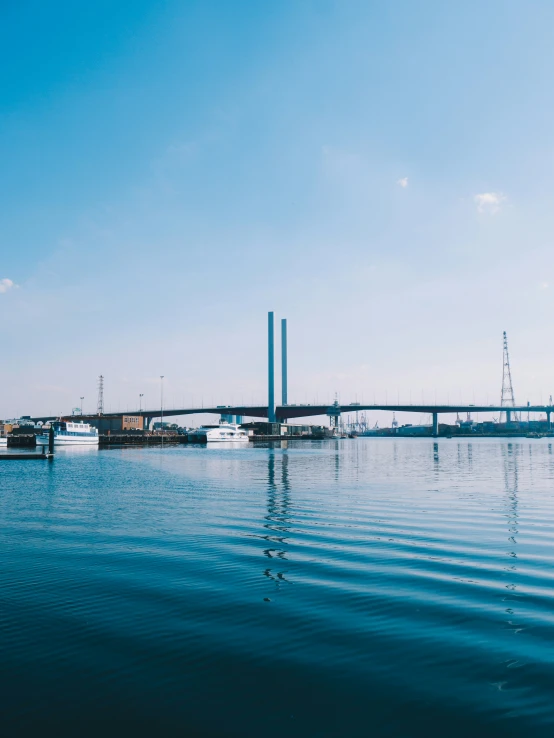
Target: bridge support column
column 508, row 416
column 333, row 413
column 284, row 370
column 270, row 370
column 146, row 423
column 548, row 420
column 435, row 425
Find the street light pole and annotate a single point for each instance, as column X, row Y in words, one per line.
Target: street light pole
column 162, row 405
column 140, row 402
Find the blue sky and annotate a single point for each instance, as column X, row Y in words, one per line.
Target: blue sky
column 380, row 173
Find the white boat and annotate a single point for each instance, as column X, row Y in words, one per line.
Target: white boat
column 3, row 440
column 223, row 432
column 70, row 434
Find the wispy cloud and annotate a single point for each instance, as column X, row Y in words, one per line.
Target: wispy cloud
column 402, row 182
column 183, row 148
column 338, row 161
column 6, row 285
column 544, row 286
column 489, row 202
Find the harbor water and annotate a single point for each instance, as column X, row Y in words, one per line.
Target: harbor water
column 362, row 587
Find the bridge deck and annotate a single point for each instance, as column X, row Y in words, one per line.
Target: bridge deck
column 304, row 411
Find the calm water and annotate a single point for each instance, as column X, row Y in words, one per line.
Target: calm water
column 343, row 588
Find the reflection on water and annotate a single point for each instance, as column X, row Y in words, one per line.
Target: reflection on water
column 76, row 450
column 276, row 519
column 336, row 588
column 510, row 453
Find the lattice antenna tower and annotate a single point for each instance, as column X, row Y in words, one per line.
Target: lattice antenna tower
column 507, row 398
column 100, row 407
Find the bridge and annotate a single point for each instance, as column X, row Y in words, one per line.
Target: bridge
column 294, row 412
column 285, row 412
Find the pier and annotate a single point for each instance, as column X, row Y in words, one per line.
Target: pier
column 27, row 457
column 47, row 452
column 141, row 439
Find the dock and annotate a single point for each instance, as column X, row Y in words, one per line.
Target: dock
column 47, row 452
column 140, row 439
column 29, row 457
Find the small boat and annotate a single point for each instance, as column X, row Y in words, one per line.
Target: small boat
column 3, row 440
column 70, row 434
column 223, row 432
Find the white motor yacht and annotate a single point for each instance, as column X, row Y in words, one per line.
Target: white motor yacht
column 70, row 434
column 220, row 433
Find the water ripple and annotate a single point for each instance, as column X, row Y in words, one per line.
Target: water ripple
column 326, row 589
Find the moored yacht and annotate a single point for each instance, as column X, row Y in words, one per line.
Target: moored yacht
column 222, row 432
column 70, row 434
